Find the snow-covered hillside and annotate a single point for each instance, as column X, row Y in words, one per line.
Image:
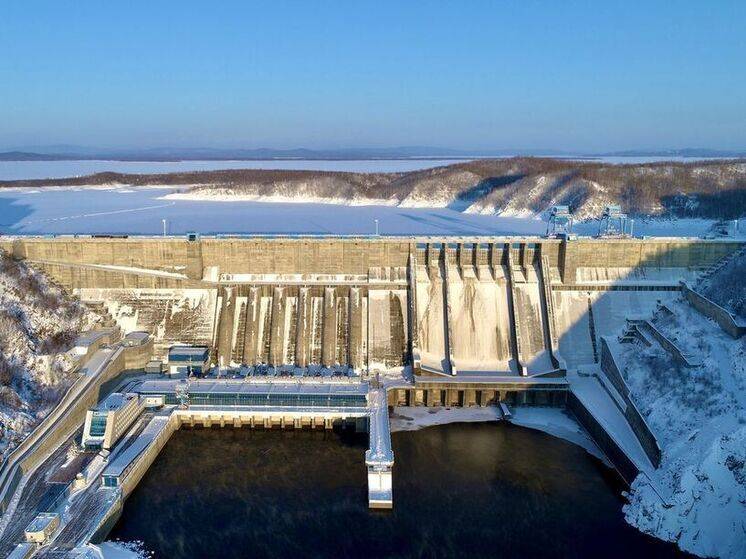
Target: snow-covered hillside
column 728, row 288
column 699, row 416
column 38, row 324
column 525, row 187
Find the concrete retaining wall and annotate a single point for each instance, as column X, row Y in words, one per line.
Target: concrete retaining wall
column 66, row 418
column 613, row 451
column 671, row 348
column 712, row 310
column 639, row 426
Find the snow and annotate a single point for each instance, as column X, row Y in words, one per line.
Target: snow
column 38, row 323
column 88, row 210
column 413, row 419
column 699, row 417
column 597, row 397
column 553, row 421
column 84, row 211
column 218, row 196
column 118, row 550
column 558, row 423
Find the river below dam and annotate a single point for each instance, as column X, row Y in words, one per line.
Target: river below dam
column 460, row 490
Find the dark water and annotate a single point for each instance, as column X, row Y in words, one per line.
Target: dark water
column 460, row 490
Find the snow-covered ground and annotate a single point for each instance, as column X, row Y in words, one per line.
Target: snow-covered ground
column 140, row 210
column 38, row 322
column 699, row 417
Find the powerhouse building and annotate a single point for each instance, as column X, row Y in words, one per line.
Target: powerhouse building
column 107, row 422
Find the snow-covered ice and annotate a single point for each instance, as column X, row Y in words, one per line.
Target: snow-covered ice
column 412, row 419
column 140, row 210
column 553, row 421
column 117, row 550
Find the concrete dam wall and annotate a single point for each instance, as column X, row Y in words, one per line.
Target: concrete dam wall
column 448, row 306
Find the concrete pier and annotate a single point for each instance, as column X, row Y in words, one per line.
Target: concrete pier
column 379, row 459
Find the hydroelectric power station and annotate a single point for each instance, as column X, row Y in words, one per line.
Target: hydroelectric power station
column 315, row 332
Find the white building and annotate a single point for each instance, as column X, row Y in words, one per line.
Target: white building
column 42, row 527
column 108, row 421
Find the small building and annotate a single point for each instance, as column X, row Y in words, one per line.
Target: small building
column 154, row 366
column 192, row 360
column 90, row 341
column 135, row 339
column 156, row 401
column 107, row 422
column 42, row 527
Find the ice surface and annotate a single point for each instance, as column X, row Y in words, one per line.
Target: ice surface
column 129, row 210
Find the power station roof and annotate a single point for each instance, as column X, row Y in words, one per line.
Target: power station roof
column 114, row 401
column 210, row 386
column 176, row 353
column 119, row 464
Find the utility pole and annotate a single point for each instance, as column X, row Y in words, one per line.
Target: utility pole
column 164, row 227
column 376, row 227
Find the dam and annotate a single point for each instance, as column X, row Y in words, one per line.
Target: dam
column 323, row 332
column 446, row 306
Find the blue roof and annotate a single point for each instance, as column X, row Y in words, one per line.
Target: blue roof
column 188, row 353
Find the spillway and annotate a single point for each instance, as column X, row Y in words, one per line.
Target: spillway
column 480, row 319
column 431, row 319
column 530, row 325
column 455, row 305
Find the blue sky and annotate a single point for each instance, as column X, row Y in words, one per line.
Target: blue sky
column 472, row 75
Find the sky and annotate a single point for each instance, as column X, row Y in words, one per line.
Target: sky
column 569, row 76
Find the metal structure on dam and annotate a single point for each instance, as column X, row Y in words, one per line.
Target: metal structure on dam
column 334, row 329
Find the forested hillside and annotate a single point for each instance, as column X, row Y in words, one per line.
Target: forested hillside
column 516, row 186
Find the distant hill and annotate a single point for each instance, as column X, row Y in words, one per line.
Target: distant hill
column 84, row 153
column 27, row 156
column 521, row 186
column 57, row 153
column 675, row 153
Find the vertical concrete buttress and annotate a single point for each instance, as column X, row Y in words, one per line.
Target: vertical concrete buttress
column 356, row 329
column 302, row 330
column 329, row 335
column 413, row 320
column 252, row 327
column 277, row 333
column 224, row 341
column 550, row 328
column 514, row 329
column 447, row 311
column 194, row 265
